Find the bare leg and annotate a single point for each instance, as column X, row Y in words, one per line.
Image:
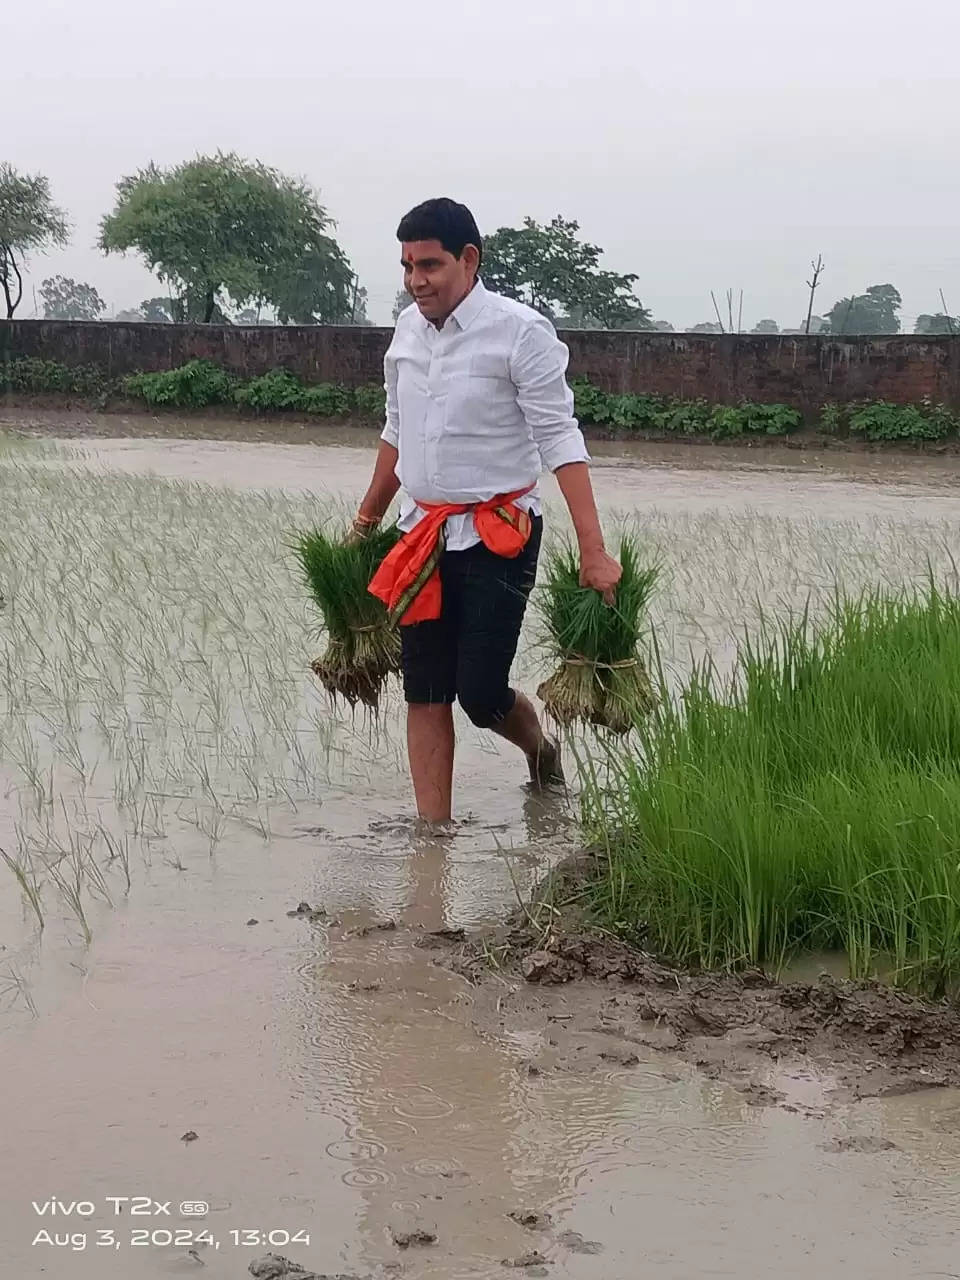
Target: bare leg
column 430, row 740
column 522, row 727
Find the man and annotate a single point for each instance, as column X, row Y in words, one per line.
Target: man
column 477, row 406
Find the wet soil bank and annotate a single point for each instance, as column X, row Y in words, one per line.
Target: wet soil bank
column 582, row 1000
column 51, row 414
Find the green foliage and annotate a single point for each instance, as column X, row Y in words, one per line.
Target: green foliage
column 201, row 383
column 278, row 389
column 551, row 269
column 221, row 227
column 681, row 417
column 156, row 310
column 884, row 421
column 938, row 323
column 831, row 419
column 327, row 400
column 730, row 421
column 66, row 299
column 363, row 647
column 371, row 401
column 600, row 678
column 872, row 312
column 811, row 803
column 29, row 222
column 191, row 386
column 33, row 375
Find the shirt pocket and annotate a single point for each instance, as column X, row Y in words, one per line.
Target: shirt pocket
column 481, row 397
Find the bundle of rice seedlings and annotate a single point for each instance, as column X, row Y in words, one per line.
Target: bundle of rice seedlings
column 363, row 647
column 601, row 678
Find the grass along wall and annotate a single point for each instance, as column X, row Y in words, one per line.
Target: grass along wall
column 802, row 372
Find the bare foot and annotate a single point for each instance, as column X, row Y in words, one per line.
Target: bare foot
column 546, row 768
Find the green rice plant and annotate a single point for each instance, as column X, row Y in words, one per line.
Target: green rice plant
column 363, row 647
column 601, row 677
column 809, row 801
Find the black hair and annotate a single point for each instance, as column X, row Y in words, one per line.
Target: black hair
column 445, row 220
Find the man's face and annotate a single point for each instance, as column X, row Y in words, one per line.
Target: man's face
column 437, row 280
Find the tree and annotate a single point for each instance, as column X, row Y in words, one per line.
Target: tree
column 766, row 326
column 662, row 326
column 315, row 287
column 708, row 326
column 358, row 308
column 29, row 223
column 156, row 310
column 221, row 228
column 248, row 316
column 938, row 323
column 66, row 299
column 872, row 312
column 401, row 302
column 551, row 269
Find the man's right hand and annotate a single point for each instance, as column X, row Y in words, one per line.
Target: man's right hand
column 359, row 531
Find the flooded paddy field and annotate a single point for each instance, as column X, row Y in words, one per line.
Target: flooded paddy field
column 173, row 785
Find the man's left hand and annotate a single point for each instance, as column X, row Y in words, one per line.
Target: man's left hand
column 601, row 572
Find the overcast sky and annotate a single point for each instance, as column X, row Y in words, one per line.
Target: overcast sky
column 702, row 143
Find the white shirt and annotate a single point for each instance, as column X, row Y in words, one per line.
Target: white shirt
column 478, row 407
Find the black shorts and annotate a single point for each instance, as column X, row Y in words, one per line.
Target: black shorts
column 466, row 654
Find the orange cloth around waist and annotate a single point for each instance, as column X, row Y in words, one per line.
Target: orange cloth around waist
column 408, row 580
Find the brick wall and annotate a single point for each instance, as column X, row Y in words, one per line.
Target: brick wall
column 802, row 371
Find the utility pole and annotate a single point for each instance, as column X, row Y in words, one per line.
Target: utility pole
column 812, row 286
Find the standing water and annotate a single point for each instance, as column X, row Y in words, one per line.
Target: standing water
column 195, row 1038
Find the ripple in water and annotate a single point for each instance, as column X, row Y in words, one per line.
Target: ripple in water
column 355, row 1149
column 367, row 1177
column 421, row 1103
column 429, row 1167
column 388, row 1130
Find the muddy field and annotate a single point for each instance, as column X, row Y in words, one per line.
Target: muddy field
column 330, row 1087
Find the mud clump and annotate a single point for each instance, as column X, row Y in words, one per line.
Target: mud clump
column 304, row 911
column 407, row 1234
column 533, row 1259
column 865, row 1039
column 365, row 930
column 864, row 1143
column 531, row 1219
column 273, row 1266
column 575, row 1242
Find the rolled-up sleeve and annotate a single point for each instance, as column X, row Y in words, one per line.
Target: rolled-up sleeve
column 391, row 429
column 538, row 367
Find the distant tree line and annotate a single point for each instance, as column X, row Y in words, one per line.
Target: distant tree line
column 235, row 241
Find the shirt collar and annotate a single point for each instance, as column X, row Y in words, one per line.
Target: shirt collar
column 468, row 310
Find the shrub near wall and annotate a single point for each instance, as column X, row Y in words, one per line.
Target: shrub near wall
column 200, row 384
